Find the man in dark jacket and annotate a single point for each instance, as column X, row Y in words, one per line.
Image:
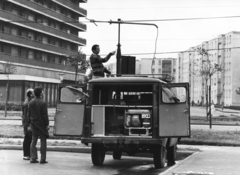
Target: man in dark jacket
column 38, row 113
column 96, row 62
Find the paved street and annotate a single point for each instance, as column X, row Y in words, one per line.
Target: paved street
column 61, row 163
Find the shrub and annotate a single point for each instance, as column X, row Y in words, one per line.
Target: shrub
column 11, row 106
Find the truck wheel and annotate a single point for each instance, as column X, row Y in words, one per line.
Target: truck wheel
column 98, row 154
column 159, row 156
column 171, row 155
column 117, row 154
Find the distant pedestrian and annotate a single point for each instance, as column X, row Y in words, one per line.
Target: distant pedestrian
column 96, row 62
column 26, row 125
column 40, row 125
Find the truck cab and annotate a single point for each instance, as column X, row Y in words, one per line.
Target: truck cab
column 126, row 114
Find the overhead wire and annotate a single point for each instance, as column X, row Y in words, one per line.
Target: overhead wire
column 178, row 52
column 147, row 20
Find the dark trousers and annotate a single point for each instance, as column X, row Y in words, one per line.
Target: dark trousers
column 43, row 146
column 27, row 142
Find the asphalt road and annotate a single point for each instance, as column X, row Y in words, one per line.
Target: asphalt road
column 61, row 163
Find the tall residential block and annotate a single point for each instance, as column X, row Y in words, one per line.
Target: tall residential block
column 223, row 50
column 164, row 66
column 37, row 36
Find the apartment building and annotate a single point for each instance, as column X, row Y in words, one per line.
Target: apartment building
column 223, row 50
column 113, row 67
column 37, row 36
column 164, row 66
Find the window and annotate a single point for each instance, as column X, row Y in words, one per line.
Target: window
column 127, row 94
column 23, row 52
column 7, row 48
column 71, row 94
column 31, row 54
column 38, row 56
column 169, row 95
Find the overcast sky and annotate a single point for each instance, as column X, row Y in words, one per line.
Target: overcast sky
column 173, row 35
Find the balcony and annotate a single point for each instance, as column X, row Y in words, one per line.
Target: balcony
column 20, row 60
column 73, row 6
column 41, row 28
column 52, row 14
column 33, row 44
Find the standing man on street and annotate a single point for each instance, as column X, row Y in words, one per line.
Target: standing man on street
column 26, row 125
column 38, row 113
column 96, row 62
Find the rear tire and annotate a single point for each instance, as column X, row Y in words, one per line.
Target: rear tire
column 159, row 156
column 117, row 154
column 98, row 154
column 171, row 155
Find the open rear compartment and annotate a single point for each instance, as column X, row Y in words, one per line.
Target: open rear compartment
column 122, row 110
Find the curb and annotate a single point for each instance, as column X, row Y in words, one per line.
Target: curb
column 87, row 150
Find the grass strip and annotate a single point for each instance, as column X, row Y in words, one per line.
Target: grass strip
column 198, row 136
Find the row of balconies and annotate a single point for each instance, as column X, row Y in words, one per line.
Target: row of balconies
column 21, row 60
column 17, row 40
column 74, row 7
column 50, row 13
column 40, row 27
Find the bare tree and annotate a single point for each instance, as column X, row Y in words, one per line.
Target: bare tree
column 79, row 62
column 207, row 69
column 8, row 68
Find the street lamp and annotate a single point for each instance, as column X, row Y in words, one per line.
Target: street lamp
column 61, row 75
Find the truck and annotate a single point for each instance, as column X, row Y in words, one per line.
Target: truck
column 126, row 115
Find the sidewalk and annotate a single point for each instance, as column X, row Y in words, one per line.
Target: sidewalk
column 209, row 159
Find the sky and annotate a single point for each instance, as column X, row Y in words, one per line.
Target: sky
column 172, row 34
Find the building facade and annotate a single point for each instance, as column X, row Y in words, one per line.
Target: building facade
column 37, row 36
column 164, row 66
column 223, row 50
column 113, row 68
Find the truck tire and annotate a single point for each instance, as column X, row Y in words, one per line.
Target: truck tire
column 171, row 155
column 117, row 154
column 98, row 154
column 159, row 156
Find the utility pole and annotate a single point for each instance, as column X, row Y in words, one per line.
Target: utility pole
column 119, row 55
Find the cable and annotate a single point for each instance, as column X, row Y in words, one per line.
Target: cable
column 183, row 19
column 148, row 20
column 173, row 52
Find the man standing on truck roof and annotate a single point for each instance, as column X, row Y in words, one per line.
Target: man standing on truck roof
column 96, row 62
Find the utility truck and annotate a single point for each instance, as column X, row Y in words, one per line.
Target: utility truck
column 126, row 114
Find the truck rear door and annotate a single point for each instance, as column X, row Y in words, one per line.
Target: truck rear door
column 70, row 109
column 174, row 110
